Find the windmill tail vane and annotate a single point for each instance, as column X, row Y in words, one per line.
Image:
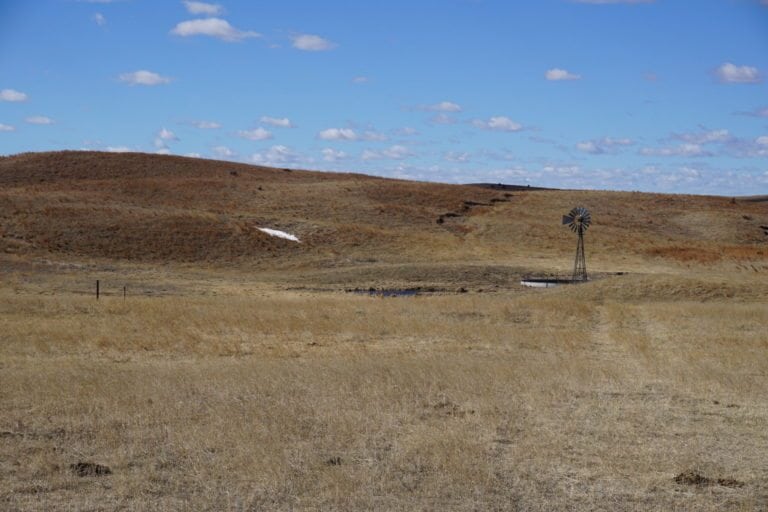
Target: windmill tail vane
column 579, row 220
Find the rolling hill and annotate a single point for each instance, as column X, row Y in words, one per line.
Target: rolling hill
column 150, row 209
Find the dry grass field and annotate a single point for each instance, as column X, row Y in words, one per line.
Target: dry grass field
column 238, row 374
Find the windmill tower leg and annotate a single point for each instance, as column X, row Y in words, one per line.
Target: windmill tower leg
column 580, row 265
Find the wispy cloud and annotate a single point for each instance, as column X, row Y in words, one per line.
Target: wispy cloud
column 206, row 125
column 758, row 112
column 333, row 155
column 162, row 139
column 396, row 152
column 280, row 122
column 277, row 155
column 256, row 134
column 212, row 27
column 704, row 136
column 144, row 77
column 406, row 131
column 312, row 43
column 203, row 8
column 361, row 80
column 12, row 95
column 684, row 150
column 459, row 157
column 557, row 75
column 443, row 119
column 730, row 73
column 7, row 128
column 223, row 152
column 443, row 106
column 498, row 123
column 99, row 19
column 748, row 148
column 39, row 120
column 603, row 146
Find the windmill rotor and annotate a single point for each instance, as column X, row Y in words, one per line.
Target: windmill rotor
column 578, row 219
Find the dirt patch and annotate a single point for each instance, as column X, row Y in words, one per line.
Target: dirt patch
column 694, row 478
column 90, row 469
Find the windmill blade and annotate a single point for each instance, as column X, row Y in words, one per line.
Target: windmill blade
column 567, row 219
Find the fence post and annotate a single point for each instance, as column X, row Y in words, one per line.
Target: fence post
column 97, row 289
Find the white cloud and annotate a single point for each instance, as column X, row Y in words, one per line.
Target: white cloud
column 12, row 95
column 312, row 43
column 276, row 155
column 749, row 148
column 396, row 152
column 223, row 152
column 685, row 150
column 281, row 122
column 143, row 77
column 257, row 134
column 206, row 125
column 7, row 128
column 443, row 106
column 333, row 155
column 442, row 118
column 733, row 74
column 338, row 134
column 39, row 120
column 213, row 27
column 704, row 137
column 193, row 155
column 163, row 137
column 602, row 146
column 557, row 74
column 163, row 151
column 165, row 134
column 361, row 80
column 118, row 149
column 203, row 8
column 457, row 157
column 498, row 123
column 99, row 19
column 373, row 135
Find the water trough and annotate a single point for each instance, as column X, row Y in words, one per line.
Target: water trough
column 547, row 282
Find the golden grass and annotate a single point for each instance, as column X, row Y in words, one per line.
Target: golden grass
column 591, row 397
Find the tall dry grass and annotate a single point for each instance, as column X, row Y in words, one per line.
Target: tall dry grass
column 584, row 398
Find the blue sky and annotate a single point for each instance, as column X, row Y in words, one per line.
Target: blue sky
column 664, row 95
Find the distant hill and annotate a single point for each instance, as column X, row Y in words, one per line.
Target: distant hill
column 152, row 208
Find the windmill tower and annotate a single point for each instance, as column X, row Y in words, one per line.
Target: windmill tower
column 579, row 220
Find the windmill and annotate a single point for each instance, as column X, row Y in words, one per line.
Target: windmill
column 579, row 220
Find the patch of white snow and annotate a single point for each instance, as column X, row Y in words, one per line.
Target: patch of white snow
column 279, row 234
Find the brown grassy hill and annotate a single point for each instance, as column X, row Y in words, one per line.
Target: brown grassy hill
column 147, row 208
